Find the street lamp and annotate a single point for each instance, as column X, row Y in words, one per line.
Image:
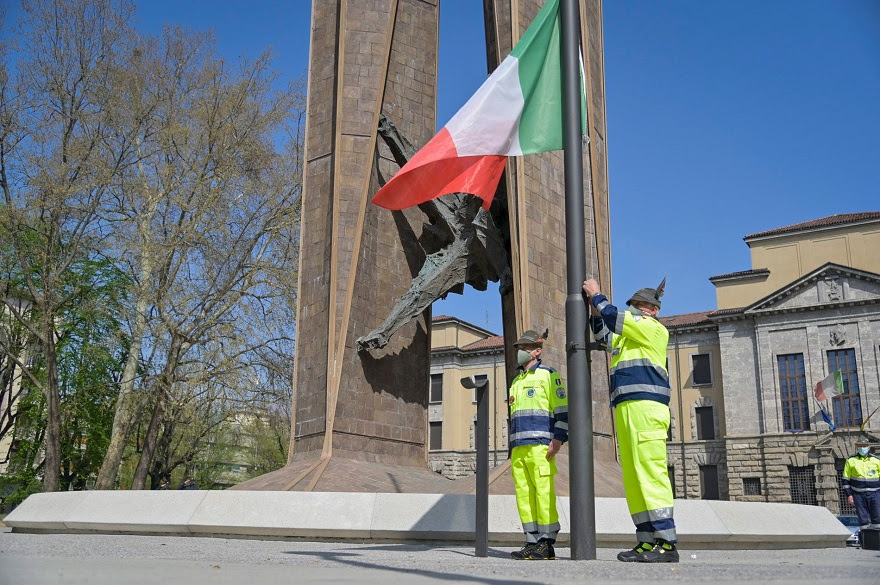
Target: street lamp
column 481, row 442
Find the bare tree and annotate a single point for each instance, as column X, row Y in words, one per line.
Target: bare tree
column 182, row 171
column 55, row 168
column 203, row 220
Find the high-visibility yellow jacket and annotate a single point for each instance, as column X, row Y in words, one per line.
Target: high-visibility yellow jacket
column 861, row 474
column 638, row 352
column 538, row 407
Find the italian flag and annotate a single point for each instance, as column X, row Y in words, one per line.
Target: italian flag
column 518, row 110
column 830, row 387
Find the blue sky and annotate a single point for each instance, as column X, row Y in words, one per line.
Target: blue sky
column 724, row 119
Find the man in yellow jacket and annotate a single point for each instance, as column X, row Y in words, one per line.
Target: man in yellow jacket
column 861, row 482
column 640, row 397
column 538, row 428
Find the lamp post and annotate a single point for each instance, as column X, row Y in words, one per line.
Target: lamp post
column 481, row 442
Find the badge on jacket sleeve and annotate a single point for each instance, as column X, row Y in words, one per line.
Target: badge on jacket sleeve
column 560, row 392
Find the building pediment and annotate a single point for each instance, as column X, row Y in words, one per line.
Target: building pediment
column 827, row 286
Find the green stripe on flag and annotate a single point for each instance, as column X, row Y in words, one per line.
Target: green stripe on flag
column 540, row 77
column 838, row 382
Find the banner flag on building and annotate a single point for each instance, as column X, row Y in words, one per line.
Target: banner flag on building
column 830, row 386
column 517, row 110
column 826, row 418
column 865, row 422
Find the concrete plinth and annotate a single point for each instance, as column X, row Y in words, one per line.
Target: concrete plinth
column 341, row 516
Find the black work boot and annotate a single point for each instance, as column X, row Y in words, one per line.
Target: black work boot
column 543, row 551
column 631, row 556
column 663, row 552
column 523, row 553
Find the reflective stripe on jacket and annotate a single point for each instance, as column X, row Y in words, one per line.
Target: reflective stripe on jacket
column 538, row 407
column 638, row 352
column 861, row 474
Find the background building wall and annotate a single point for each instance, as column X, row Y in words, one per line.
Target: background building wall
column 829, row 307
column 476, row 352
column 796, row 253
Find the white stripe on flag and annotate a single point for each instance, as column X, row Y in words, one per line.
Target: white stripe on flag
column 830, row 386
column 489, row 122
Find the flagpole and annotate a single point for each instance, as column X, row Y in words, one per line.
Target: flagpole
column 580, row 416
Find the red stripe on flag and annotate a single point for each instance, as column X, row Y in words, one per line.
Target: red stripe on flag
column 436, row 170
column 819, row 391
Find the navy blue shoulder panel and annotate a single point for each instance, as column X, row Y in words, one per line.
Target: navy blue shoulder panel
column 548, row 368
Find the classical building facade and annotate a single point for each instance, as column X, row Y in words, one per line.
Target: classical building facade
column 746, row 425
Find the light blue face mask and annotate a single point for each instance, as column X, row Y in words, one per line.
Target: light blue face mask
column 863, row 451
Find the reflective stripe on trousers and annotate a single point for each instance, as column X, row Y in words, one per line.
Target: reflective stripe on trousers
column 642, row 426
column 533, row 479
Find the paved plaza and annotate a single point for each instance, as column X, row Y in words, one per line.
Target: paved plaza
column 62, row 559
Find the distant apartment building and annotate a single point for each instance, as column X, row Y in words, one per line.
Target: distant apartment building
column 14, row 351
column 460, row 349
column 745, row 423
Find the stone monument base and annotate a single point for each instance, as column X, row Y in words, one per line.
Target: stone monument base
column 353, row 474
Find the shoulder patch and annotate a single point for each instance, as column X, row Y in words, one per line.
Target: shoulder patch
column 560, row 392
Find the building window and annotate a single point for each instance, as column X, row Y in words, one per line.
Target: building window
column 846, row 509
column 436, row 394
column 705, row 422
column 701, row 369
column 847, row 406
column 670, row 469
column 479, row 379
column 793, row 392
column 709, row 482
column 752, row 486
column 802, row 483
column 435, row 439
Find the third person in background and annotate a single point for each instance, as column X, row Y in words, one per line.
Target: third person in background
column 861, row 482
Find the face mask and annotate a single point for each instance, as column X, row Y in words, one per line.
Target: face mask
column 523, row 357
column 863, row 451
column 636, row 312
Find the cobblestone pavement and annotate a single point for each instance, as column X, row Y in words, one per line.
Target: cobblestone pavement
column 59, row 559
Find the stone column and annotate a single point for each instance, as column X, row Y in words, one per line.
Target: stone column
column 357, row 260
column 536, row 209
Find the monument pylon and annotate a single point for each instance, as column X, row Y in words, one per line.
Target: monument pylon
column 360, row 417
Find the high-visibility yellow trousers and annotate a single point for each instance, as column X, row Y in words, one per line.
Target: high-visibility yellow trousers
column 533, row 479
column 642, row 427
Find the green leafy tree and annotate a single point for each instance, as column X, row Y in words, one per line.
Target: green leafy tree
column 56, row 169
column 89, row 356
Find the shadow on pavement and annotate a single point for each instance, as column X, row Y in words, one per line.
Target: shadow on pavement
column 350, row 558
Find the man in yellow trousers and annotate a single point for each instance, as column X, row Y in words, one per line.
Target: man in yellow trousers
column 538, row 428
column 640, row 397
